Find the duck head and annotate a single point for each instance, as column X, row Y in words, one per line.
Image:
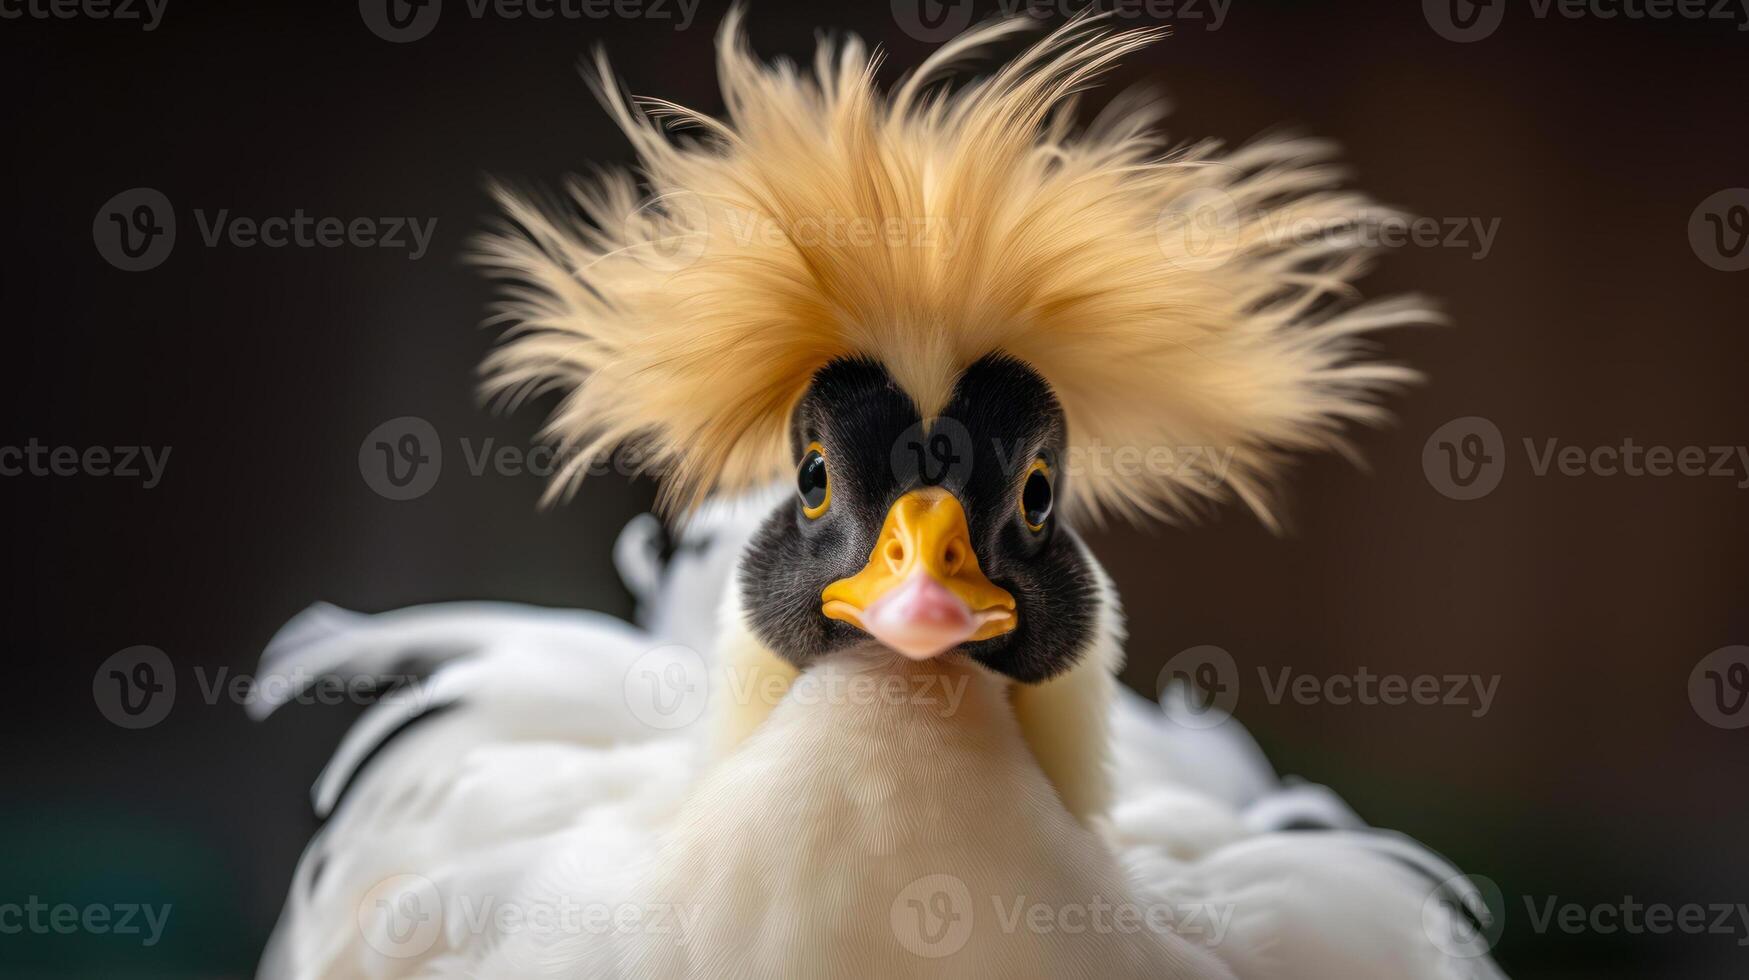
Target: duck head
column 927, row 536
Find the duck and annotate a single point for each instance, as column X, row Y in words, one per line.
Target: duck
column 875, row 345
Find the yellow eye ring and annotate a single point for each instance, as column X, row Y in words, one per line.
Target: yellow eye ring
column 1041, row 508
column 813, row 481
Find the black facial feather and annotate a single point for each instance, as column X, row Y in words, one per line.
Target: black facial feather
column 855, row 411
column 1013, row 418
column 1001, row 417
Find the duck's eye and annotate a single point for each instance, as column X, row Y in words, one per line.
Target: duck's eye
column 811, row 483
column 1035, row 495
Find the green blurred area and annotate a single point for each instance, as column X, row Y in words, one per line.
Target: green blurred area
column 114, row 866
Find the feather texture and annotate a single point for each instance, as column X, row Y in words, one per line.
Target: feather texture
column 537, row 791
column 1188, row 306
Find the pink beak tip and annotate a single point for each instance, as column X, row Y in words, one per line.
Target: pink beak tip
column 920, row 619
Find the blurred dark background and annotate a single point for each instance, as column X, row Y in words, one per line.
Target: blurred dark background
column 1593, row 315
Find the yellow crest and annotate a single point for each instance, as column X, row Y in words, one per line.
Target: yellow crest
column 1188, row 306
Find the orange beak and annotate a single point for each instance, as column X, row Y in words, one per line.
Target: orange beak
column 922, row 593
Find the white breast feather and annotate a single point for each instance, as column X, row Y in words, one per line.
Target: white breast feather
column 539, row 790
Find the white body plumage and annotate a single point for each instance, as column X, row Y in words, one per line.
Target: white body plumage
column 542, row 826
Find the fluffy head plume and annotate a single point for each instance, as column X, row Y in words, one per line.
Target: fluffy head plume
column 1192, row 298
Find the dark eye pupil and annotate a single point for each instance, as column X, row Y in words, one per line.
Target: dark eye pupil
column 811, row 479
column 1035, row 498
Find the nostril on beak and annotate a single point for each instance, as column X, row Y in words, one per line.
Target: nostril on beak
column 952, row 557
column 895, row 554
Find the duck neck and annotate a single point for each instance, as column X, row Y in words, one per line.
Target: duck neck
column 876, row 791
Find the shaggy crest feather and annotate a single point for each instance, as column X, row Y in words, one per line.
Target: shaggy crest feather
column 821, row 218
